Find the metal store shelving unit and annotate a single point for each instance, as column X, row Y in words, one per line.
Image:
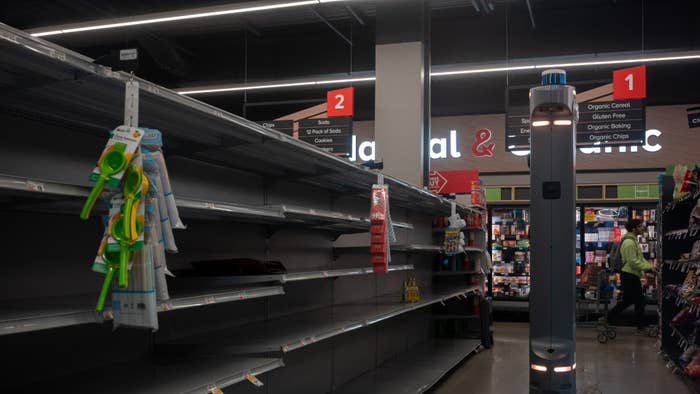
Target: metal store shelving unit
column 54, row 312
column 184, row 375
column 295, row 331
column 258, row 181
column 415, row 372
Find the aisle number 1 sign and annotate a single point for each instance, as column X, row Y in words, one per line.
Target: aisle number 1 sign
column 630, row 83
column 340, row 102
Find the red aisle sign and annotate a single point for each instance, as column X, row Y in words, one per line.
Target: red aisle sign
column 340, row 102
column 630, row 83
column 447, row 182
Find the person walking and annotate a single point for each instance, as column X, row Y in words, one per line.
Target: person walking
column 634, row 265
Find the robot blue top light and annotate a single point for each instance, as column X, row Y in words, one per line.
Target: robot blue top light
column 553, row 116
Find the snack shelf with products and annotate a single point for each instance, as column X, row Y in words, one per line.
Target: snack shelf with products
column 510, row 252
column 679, row 249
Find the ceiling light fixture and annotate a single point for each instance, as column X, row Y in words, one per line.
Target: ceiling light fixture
column 272, row 86
column 171, row 17
column 446, row 71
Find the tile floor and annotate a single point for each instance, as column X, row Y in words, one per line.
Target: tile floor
column 629, row 364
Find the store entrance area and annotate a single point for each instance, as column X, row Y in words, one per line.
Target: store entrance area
column 630, row 364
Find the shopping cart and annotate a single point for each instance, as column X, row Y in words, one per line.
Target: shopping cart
column 595, row 293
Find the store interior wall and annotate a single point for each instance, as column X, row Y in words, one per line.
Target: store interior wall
column 50, row 255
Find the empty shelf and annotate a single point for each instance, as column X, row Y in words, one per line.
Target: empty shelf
column 69, row 201
column 165, row 374
column 295, row 331
column 94, row 99
column 416, row 370
column 26, row 315
column 455, row 317
column 412, row 248
column 455, row 273
column 298, row 276
column 218, row 297
column 283, row 278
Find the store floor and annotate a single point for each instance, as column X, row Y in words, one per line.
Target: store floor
column 629, row 364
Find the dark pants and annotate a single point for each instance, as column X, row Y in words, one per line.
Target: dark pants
column 631, row 294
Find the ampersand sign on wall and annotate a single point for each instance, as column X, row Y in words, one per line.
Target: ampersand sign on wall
column 481, row 147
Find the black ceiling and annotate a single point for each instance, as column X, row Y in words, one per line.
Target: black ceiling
column 294, row 43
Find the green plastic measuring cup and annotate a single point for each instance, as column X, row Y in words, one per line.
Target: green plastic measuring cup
column 110, row 163
column 112, row 261
column 133, row 184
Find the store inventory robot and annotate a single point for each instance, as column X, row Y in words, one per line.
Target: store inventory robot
column 553, row 116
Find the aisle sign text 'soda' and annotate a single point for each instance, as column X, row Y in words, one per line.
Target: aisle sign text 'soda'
column 449, row 148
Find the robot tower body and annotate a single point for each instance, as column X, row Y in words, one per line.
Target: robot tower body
column 553, row 116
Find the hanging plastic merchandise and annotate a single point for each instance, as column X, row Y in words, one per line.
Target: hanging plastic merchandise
column 154, row 238
column 155, row 168
column 381, row 230
column 137, row 307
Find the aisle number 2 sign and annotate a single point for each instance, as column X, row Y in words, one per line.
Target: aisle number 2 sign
column 340, row 102
column 630, row 83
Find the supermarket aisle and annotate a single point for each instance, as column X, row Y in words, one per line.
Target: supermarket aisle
column 627, row 365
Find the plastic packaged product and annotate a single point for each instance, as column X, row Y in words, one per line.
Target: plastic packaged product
column 136, row 306
column 173, row 213
column 153, row 169
column 154, row 238
column 153, row 142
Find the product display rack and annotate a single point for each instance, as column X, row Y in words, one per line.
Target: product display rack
column 470, row 317
column 678, row 308
column 510, row 251
column 243, row 191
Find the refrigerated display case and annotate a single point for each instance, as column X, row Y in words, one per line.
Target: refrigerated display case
column 510, row 252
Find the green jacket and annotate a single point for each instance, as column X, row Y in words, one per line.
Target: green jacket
column 633, row 261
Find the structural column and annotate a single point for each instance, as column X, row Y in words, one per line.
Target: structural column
column 402, row 96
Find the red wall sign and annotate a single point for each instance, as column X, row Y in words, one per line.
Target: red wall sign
column 340, row 102
column 630, row 83
column 447, row 182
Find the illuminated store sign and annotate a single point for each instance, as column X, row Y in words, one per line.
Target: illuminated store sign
column 448, row 148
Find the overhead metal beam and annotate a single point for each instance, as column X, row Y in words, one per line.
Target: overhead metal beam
column 354, row 14
column 329, row 24
column 532, row 17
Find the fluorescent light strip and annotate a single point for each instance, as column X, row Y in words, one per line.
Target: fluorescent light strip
column 174, row 18
column 280, row 85
column 480, row 70
column 650, row 59
column 620, row 61
column 445, row 73
column 540, row 368
column 540, row 123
